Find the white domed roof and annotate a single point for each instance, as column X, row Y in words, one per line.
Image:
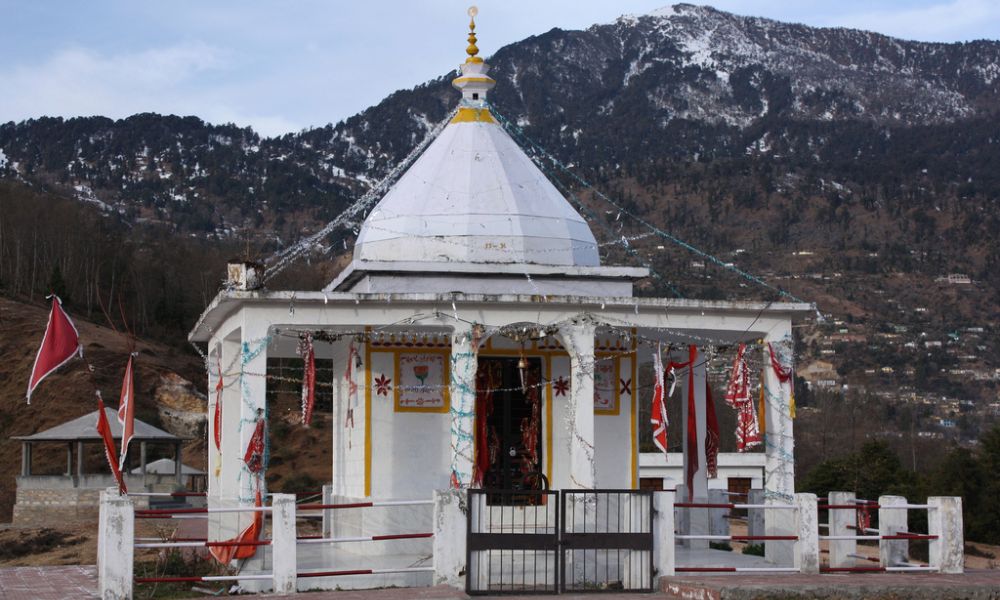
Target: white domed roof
column 474, row 196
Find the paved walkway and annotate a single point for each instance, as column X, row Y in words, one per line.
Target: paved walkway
column 59, row 583
column 48, row 583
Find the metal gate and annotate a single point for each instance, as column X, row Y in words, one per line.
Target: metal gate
column 607, row 540
column 512, row 542
column 536, row 542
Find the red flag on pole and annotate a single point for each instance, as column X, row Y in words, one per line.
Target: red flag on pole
column 692, row 426
column 126, row 412
column 104, row 429
column 658, row 415
column 60, row 344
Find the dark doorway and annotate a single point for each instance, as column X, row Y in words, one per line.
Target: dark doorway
column 509, row 424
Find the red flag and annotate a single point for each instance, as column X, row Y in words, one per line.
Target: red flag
column 658, row 414
column 711, row 434
column 126, row 412
column 308, row 354
column 104, row 429
column 217, row 420
column 784, row 375
column 61, row 343
column 692, row 425
column 230, row 551
column 738, row 396
column 254, row 456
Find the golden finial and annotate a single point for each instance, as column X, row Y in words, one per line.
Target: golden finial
column 472, row 50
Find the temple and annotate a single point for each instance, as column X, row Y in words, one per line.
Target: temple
column 479, row 341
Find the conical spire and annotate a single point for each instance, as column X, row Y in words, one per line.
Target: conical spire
column 474, row 82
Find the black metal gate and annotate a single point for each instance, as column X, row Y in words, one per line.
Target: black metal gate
column 512, row 542
column 607, row 540
column 536, row 542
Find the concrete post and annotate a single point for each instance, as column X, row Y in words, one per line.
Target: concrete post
column 755, row 516
column 944, row 519
column 451, row 510
column 328, row 515
column 840, row 523
column 890, row 522
column 779, row 450
column 579, row 341
column 718, row 518
column 664, row 550
column 284, row 559
column 115, row 536
column 807, row 529
column 463, row 403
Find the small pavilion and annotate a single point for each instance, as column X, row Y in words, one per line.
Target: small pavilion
column 74, row 493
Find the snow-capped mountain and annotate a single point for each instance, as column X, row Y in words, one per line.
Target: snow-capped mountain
column 682, row 85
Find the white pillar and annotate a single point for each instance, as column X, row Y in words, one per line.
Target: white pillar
column 463, row 403
column 579, row 341
column 779, row 449
column 225, row 468
column 944, row 519
column 664, row 551
column 699, row 486
column 284, row 559
column 115, row 538
column 890, row 522
column 252, row 387
column 252, row 364
column 840, row 523
column 807, row 527
column 450, row 522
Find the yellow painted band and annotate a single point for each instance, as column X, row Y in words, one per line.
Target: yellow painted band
column 473, row 115
column 488, row 80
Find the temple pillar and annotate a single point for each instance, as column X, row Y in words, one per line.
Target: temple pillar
column 252, row 384
column 692, row 382
column 579, row 341
column 462, row 390
column 779, row 446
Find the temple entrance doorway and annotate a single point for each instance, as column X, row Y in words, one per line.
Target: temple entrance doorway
column 509, row 423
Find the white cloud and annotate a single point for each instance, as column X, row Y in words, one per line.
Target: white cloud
column 941, row 21
column 186, row 78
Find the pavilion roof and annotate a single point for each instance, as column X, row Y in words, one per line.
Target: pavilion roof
column 85, row 429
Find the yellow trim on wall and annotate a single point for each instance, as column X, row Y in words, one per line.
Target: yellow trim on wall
column 446, row 373
column 368, row 416
column 635, row 413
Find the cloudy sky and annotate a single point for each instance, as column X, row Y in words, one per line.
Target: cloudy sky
column 281, row 66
